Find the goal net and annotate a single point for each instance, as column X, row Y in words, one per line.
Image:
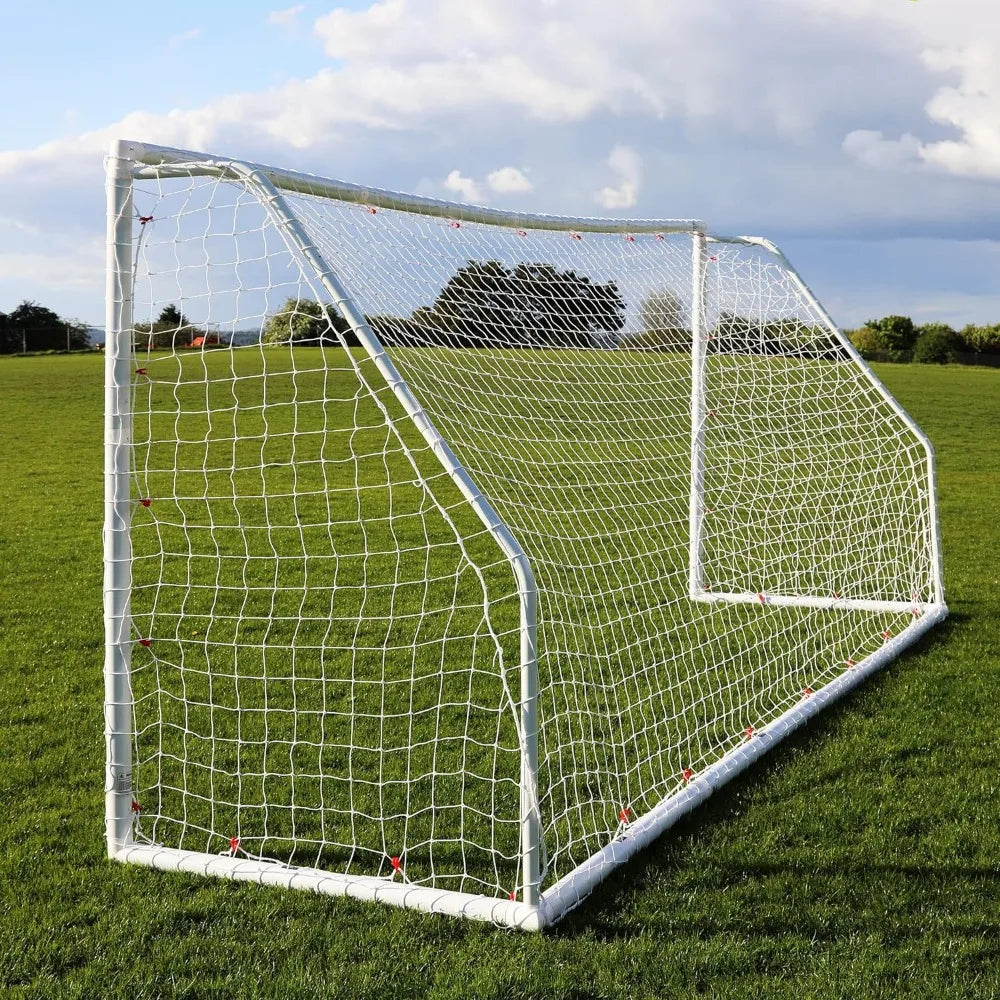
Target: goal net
column 451, row 555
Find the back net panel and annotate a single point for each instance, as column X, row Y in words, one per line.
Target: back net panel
column 327, row 666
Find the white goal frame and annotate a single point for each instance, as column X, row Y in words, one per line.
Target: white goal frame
column 535, row 909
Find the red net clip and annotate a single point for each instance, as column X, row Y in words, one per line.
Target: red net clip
column 887, row 635
column 145, row 501
column 145, row 642
column 687, row 774
column 836, row 594
column 659, row 236
column 234, row 844
column 575, row 236
column 624, row 814
column 141, row 371
column 749, row 731
column 521, row 232
column 455, row 225
column 806, row 691
column 397, row 864
column 511, row 896
column 630, row 238
column 371, row 210
column 850, row 663
column 713, row 258
column 762, row 599
column 143, row 219
column 136, row 808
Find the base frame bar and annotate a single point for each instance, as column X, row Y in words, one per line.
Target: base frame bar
column 503, row 912
column 916, row 608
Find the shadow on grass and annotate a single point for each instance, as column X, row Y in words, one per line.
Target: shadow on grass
column 608, row 913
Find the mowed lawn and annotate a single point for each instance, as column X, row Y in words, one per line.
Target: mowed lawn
column 862, row 858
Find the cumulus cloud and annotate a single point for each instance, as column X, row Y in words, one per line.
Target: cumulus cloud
column 509, row 180
column 627, row 164
column 972, row 108
column 287, row 18
column 465, row 187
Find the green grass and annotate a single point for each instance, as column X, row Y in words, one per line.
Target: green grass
column 859, row 859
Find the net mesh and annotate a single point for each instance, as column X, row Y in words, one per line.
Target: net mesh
column 327, row 661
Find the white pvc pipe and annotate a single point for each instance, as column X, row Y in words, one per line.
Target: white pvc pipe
column 117, row 514
column 169, row 162
column 810, row 601
column 699, row 345
column 503, row 912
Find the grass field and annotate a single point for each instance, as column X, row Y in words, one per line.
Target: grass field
column 860, row 859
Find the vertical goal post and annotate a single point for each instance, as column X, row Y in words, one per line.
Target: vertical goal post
column 549, row 528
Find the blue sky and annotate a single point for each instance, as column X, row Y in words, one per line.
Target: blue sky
column 862, row 135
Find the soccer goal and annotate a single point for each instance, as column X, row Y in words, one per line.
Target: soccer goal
column 452, row 554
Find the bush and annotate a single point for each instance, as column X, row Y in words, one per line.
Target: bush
column 888, row 339
column 871, row 343
column 981, row 339
column 936, row 344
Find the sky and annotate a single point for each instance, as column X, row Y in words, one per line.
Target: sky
column 863, row 136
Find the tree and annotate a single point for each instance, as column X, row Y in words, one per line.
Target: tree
column 308, row 324
column 893, row 337
column 867, row 343
column 664, row 323
column 398, row 331
column 170, row 329
column 936, row 344
column 981, row 339
column 31, row 327
column 486, row 304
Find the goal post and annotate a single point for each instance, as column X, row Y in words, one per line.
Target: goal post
column 452, row 554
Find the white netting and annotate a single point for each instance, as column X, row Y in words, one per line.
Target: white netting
column 330, row 667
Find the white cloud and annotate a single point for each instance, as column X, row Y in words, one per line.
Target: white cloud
column 509, row 180
column 39, row 261
column 972, row 109
column 175, row 41
column 465, row 187
column 870, row 147
column 627, row 164
column 287, row 18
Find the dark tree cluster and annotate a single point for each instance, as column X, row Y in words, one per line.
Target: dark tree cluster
column 31, row 327
column 487, row 304
column 789, row 338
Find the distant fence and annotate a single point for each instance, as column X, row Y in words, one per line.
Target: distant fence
column 974, row 358
column 35, row 340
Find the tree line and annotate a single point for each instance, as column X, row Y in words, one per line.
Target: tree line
column 898, row 338
column 484, row 304
column 31, row 327
column 532, row 305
